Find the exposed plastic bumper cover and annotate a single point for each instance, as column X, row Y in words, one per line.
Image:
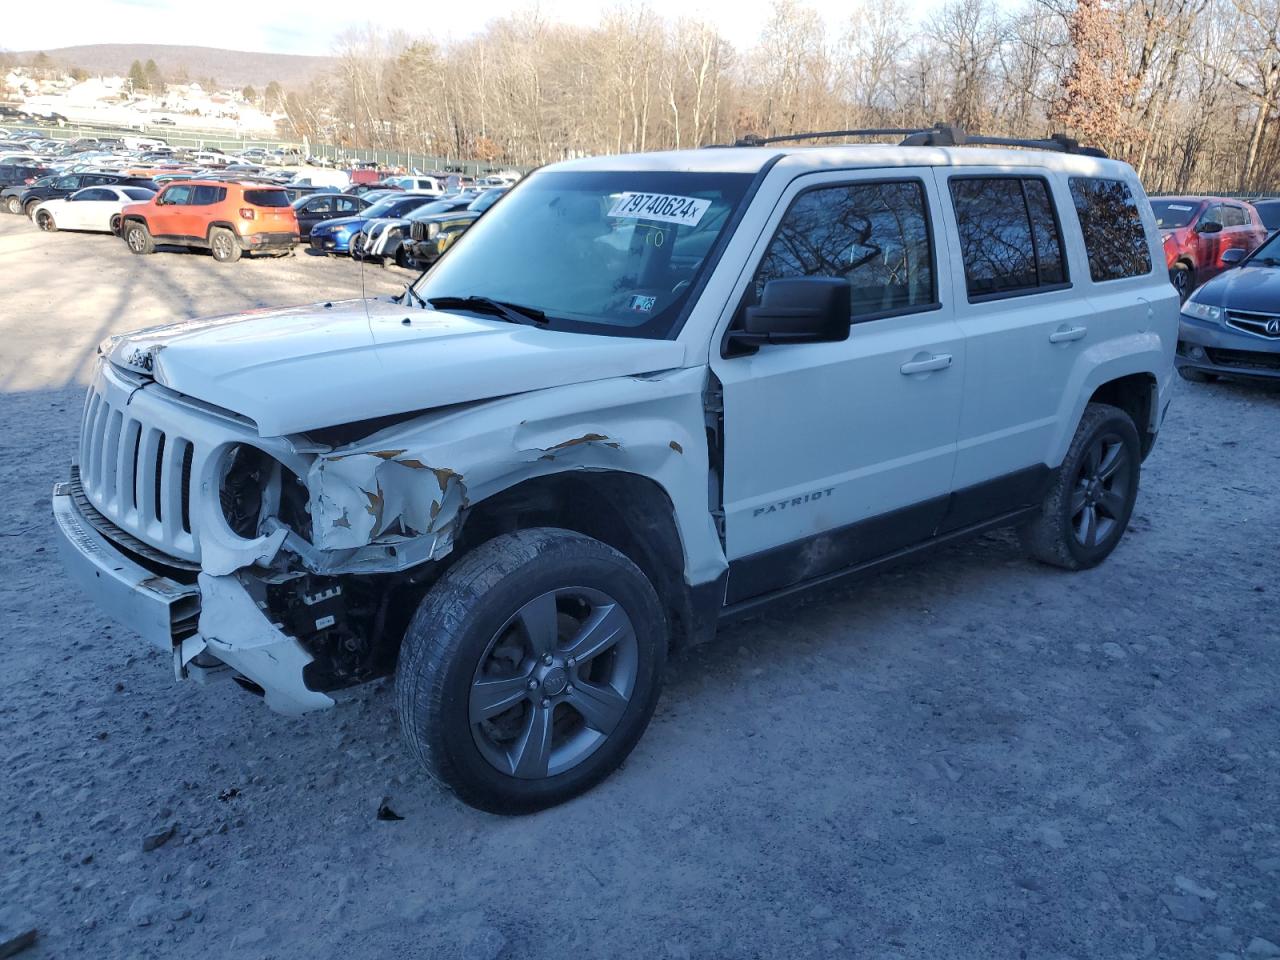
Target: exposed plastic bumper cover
column 185, row 620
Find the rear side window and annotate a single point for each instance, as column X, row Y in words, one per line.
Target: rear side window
column 267, row 198
column 138, row 193
column 1111, row 225
column 98, row 193
column 1009, row 237
column 204, row 196
column 875, row 235
column 1234, row 217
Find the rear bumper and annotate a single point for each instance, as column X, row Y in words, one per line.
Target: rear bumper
column 268, row 241
column 1213, row 348
column 204, row 627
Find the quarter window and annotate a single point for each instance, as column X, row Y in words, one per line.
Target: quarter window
column 97, row 193
column 1009, row 238
column 204, row 196
column 1111, row 225
column 875, row 235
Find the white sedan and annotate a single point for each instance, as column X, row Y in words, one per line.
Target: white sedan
column 93, row 208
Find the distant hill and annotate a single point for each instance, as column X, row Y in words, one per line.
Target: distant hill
column 232, row 68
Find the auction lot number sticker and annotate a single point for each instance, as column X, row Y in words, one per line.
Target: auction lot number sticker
column 662, row 207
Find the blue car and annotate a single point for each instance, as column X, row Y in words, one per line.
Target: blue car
column 334, row 236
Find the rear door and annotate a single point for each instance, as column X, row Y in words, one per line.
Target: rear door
column 837, row 453
column 1023, row 326
column 199, row 211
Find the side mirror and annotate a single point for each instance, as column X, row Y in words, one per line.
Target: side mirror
column 1209, row 227
column 798, row 310
column 1232, row 257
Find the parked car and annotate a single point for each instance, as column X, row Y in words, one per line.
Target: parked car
column 376, row 186
column 416, row 184
column 67, row 184
column 311, row 210
column 17, row 177
column 642, row 394
column 297, row 192
column 432, row 236
column 227, row 218
column 1268, row 213
column 93, row 208
column 1230, row 326
column 335, row 236
column 164, row 121
column 1197, row 231
column 388, row 238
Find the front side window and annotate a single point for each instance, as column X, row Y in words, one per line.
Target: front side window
column 1111, row 226
column 179, row 195
column 1212, row 217
column 616, row 252
column 1009, row 239
column 875, row 235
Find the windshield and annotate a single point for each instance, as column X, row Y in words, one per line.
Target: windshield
column 1171, row 214
column 485, row 201
column 382, row 208
column 1267, row 255
column 618, row 252
column 430, row 209
column 1270, row 214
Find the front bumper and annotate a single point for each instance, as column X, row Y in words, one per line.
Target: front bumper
column 329, row 243
column 202, row 626
column 1214, row 348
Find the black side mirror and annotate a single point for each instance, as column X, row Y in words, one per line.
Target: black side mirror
column 1209, row 227
column 798, row 310
column 1232, row 257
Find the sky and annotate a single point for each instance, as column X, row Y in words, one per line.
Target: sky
column 310, row 28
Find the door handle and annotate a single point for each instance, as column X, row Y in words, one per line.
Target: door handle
column 939, row 361
column 1065, row 334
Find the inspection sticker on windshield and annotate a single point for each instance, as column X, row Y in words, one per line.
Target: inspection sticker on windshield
column 662, row 207
column 1179, row 206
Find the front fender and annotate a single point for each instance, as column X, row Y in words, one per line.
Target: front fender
column 409, row 486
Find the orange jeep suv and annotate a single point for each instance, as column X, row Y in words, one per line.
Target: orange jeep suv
column 228, row 217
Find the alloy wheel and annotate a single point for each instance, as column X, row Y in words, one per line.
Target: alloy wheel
column 553, row 683
column 136, row 242
column 222, row 246
column 1102, row 490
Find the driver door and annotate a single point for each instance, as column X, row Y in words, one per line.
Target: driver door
column 839, row 453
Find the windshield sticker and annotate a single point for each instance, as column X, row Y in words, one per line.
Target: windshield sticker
column 661, row 207
column 1179, row 206
column 643, row 304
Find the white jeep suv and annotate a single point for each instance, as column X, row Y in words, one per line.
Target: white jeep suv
column 642, row 394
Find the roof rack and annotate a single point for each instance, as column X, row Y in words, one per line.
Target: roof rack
column 939, row 135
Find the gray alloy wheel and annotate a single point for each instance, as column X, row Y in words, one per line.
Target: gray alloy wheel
column 1100, row 499
column 553, row 683
column 44, row 220
column 223, row 244
column 15, row 205
column 1180, row 277
column 138, row 237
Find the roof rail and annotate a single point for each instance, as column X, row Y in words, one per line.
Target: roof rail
column 939, row 135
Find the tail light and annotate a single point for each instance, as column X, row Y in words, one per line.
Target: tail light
column 246, row 213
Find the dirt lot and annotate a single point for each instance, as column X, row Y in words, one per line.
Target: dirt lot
column 972, row 757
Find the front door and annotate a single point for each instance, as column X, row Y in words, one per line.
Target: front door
column 838, row 453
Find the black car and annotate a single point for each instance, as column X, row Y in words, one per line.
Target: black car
column 312, row 209
column 67, row 184
column 1230, row 326
column 18, row 178
column 432, row 236
column 1269, row 211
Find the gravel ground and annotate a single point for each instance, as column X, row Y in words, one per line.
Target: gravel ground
column 969, row 757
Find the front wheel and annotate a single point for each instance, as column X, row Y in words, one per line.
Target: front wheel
column 1183, row 281
column 14, row 205
column 138, row 237
column 1088, row 507
column 44, row 220
column 114, row 224
column 531, row 669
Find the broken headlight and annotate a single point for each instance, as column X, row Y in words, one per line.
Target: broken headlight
column 256, row 486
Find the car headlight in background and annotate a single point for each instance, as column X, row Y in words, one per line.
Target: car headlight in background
column 1201, row 311
column 433, row 230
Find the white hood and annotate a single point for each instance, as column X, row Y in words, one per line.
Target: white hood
column 301, row 368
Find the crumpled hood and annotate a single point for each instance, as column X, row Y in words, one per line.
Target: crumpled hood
column 321, row 365
column 1244, row 288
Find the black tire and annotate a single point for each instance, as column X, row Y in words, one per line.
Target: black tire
column 1197, row 376
column 114, row 224
column 223, row 244
column 138, row 237
column 13, row 205
column 1183, row 280
column 355, row 246
column 30, row 208
column 402, row 258
column 472, row 615
column 1061, row 534
column 44, row 220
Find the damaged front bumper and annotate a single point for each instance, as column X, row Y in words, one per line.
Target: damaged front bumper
column 210, row 628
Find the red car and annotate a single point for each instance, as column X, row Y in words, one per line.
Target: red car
column 1198, row 230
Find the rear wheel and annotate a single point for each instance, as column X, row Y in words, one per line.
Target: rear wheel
column 1088, row 507
column 30, row 208
column 531, row 669
column 138, row 237
column 115, row 224
column 44, row 220
column 224, row 246
column 1183, row 281
column 14, row 205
